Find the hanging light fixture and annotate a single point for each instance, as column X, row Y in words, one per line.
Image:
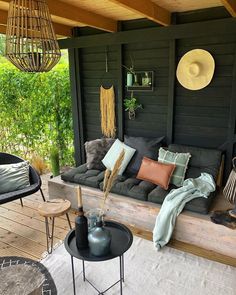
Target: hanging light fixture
column 31, row 43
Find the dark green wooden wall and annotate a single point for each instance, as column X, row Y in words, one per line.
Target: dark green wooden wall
column 203, row 118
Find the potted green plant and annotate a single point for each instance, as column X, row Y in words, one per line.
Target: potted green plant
column 131, row 105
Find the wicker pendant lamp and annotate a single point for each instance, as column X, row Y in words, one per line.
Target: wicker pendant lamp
column 31, row 43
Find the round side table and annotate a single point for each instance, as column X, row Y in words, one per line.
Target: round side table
column 121, row 241
column 52, row 209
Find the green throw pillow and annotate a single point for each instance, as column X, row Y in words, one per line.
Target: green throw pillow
column 14, row 177
column 180, row 160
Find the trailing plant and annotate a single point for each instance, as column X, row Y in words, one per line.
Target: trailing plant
column 131, row 105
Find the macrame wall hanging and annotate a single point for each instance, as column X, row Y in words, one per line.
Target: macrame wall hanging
column 107, row 108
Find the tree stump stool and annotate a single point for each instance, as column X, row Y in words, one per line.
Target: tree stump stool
column 50, row 210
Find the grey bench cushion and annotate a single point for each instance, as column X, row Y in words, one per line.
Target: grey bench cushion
column 202, row 160
column 82, row 175
column 132, row 187
column 199, row 205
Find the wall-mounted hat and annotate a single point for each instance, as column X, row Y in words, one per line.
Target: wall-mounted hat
column 195, row 69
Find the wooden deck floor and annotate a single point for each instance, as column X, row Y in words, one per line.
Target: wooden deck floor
column 22, row 231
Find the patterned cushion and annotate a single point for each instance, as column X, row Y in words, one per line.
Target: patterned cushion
column 95, row 152
column 180, row 160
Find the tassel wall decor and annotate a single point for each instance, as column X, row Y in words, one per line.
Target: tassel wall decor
column 107, row 108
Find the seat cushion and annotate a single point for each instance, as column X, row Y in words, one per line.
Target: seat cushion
column 145, row 147
column 198, row 205
column 180, row 160
column 113, row 154
column 132, row 187
column 82, row 175
column 96, row 151
column 14, row 177
column 202, row 160
column 156, row 172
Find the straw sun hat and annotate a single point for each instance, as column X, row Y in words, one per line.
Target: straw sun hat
column 195, row 69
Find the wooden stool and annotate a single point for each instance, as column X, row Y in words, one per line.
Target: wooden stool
column 51, row 209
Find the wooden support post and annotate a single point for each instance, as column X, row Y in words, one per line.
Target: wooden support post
column 77, row 105
column 120, row 108
column 231, row 125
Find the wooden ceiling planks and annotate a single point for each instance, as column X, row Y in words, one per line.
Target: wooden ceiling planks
column 104, row 14
column 187, row 5
column 106, row 8
column 148, row 9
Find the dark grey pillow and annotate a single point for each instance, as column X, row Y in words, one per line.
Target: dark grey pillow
column 96, row 151
column 145, row 147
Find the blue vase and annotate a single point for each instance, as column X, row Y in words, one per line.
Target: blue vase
column 99, row 240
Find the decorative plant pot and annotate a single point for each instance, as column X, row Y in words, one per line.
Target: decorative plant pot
column 131, row 115
column 99, row 240
column 129, row 79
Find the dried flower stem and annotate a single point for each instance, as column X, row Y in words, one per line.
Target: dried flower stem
column 110, row 177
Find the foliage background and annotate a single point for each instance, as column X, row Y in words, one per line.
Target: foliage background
column 35, row 111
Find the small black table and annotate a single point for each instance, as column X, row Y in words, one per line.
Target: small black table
column 121, row 241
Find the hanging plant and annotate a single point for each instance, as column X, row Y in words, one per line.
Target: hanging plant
column 131, row 105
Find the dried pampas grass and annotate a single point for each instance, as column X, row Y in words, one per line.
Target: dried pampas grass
column 39, row 164
column 110, row 177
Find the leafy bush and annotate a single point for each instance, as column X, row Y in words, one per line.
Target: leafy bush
column 35, row 112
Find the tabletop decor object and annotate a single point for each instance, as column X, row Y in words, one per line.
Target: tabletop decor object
column 121, row 241
column 195, row 69
column 81, row 224
column 31, row 43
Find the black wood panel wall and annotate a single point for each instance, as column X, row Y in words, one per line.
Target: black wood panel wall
column 204, row 118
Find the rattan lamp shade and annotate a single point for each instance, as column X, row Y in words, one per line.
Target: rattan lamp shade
column 31, row 43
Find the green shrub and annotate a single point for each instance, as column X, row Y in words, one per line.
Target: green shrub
column 35, row 112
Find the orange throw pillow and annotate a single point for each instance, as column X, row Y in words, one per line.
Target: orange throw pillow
column 156, row 172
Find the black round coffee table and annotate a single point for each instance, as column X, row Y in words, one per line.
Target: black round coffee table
column 121, row 241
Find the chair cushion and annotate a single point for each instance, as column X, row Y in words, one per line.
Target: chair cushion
column 132, row 187
column 202, row 160
column 113, row 154
column 180, row 160
column 198, row 205
column 145, row 147
column 95, row 152
column 14, row 177
column 156, row 172
column 82, row 175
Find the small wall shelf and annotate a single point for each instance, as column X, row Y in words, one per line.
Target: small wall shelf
column 140, row 81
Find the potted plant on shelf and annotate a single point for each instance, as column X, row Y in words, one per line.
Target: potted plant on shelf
column 131, row 105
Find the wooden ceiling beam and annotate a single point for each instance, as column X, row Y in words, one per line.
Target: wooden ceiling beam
column 60, row 30
column 148, row 9
column 79, row 15
column 230, row 5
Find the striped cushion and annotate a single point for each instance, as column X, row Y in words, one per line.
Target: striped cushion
column 180, row 160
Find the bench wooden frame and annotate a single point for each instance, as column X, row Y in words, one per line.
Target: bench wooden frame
column 191, row 228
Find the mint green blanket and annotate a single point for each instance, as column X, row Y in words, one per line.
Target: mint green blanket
column 174, row 204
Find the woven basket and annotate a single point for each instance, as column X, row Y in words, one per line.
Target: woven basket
column 230, row 187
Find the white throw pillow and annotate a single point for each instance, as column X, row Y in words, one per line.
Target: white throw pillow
column 113, row 154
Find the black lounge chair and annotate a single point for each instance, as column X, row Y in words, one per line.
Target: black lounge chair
column 35, row 181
